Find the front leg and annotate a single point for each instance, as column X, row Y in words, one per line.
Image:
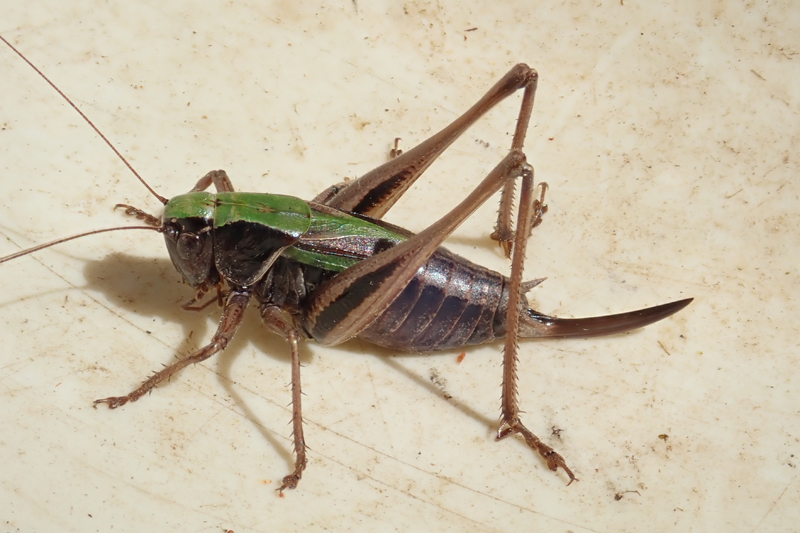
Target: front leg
column 231, row 319
column 277, row 322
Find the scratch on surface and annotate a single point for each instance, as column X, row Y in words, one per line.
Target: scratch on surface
column 437, row 505
column 204, row 424
column 409, row 492
column 378, row 405
column 664, row 347
column 772, row 507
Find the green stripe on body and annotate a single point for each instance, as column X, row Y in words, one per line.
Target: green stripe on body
column 284, row 213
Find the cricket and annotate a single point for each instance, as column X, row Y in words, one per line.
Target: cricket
column 331, row 269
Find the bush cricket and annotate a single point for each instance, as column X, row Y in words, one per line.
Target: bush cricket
column 331, row 269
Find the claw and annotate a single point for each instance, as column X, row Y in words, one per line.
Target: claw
column 112, row 402
column 535, row 324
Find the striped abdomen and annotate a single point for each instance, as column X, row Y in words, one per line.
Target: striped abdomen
column 451, row 302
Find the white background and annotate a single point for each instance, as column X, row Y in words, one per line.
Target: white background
column 668, row 134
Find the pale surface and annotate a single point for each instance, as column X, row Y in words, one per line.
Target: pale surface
column 669, row 138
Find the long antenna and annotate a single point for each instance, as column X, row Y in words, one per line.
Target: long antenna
column 73, row 237
column 65, row 97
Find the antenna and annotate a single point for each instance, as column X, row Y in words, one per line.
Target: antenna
column 71, row 238
column 76, row 108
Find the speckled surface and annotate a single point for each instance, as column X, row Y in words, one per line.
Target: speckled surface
column 668, row 136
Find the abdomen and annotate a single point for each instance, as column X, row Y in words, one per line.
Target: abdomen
column 451, row 302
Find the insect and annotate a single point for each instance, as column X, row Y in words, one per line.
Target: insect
column 331, row 269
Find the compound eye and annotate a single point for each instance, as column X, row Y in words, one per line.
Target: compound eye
column 189, row 245
column 172, row 230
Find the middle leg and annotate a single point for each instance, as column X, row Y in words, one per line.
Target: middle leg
column 278, row 323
